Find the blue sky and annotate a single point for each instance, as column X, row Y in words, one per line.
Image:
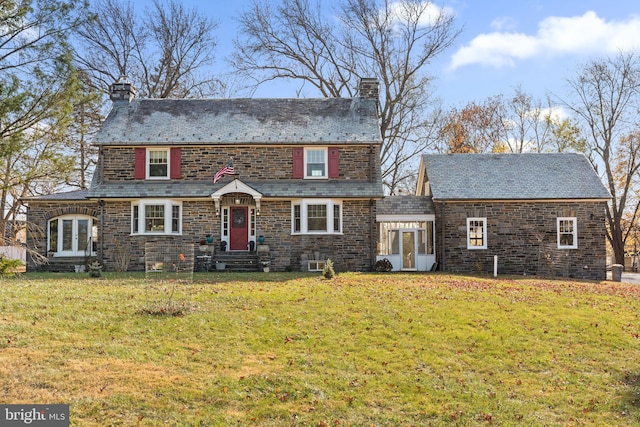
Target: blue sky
column 534, row 44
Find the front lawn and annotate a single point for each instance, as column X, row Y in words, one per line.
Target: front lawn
column 289, row 349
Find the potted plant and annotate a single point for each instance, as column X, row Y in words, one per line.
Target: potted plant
column 265, row 266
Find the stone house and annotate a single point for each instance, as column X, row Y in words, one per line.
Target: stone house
column 537, row 213
column 305, row 184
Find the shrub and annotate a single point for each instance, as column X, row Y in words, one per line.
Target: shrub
column 95, row 269
column 383, row 265
column 7, row 266
column 328, row 271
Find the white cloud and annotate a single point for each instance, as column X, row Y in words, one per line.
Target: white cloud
column 586, row 34
column 503, row 23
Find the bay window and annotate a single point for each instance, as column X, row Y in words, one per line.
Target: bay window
column 156, row 217
column 316, row 216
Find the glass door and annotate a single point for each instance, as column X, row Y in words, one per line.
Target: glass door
column 409, row 250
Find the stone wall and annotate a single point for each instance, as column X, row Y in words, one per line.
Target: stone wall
column 250, row 162
column 524, row 237
column 40, row 212
column 349, row 252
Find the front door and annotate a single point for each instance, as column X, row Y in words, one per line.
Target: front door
column 408, row 250
column 239, row 228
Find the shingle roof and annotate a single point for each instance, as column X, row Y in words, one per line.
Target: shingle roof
column 527, row 176
column 234, row 121
column 405, row 205
column 268, row 188
column 69, row 195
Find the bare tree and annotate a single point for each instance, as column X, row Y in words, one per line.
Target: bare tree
column 391, row 40
column 605, row 98
column 527, row 123
column 164, row 53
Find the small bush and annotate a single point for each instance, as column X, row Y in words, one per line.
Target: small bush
column 95, row 269
column 328, row 271
column 8, row 266
column 383, row 266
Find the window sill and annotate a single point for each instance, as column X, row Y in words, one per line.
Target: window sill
column 317, row 233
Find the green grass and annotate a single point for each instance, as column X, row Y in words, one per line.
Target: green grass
column 289, row 349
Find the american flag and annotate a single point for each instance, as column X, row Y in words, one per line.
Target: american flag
column 226, row 170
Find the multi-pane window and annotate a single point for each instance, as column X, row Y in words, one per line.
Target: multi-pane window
column 476, row 233
column 315, row 163
column 316, row 216
column 297, row 218
column 567, row 233
column 135, row 219
column 389, row 236
column 158, row 166
column 175, row 219
column 156, row 217
column 70, row 235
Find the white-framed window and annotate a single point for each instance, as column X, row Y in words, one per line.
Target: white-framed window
column 315, row 265
column 476, row 233
column 567, row 233
column 315, row 163
column 316, row 216
column 158, row 163
column 72, row 235
column 156, row 217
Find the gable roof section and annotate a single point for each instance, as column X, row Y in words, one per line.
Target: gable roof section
column 235, row 121
column 527, row 176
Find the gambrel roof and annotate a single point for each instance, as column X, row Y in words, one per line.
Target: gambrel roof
column 240, row 121
column 527, row 176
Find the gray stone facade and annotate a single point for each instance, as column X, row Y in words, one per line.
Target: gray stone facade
column 523, row 235
column 258, row 162
column 265, row 139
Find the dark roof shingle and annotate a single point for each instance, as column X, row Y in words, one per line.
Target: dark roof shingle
column 236, row 121
column 527, row 176
column 268, row 188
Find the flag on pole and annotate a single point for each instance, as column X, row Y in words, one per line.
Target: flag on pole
column 226, row 170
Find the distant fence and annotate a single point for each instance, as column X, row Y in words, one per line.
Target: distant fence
column 14, row 252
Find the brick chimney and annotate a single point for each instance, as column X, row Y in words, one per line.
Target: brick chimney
column 122, row 90
column 369, row 88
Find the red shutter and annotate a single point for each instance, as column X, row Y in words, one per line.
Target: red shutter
column 176, row 157
column 334, row 163
column 298, row 162
column 140, row 171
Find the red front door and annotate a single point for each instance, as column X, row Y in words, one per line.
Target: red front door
column 239, row 229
